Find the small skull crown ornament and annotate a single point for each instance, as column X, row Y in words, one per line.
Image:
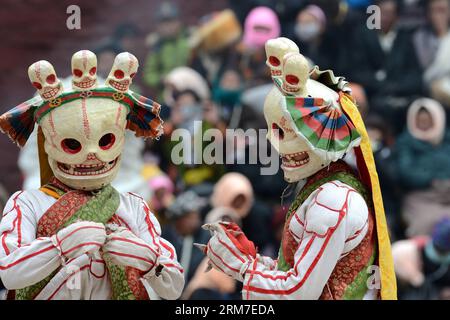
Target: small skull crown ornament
column 84, row 70
column 43, row 77
column 124, row 69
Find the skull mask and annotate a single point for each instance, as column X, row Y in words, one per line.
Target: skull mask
column 84, row 140
column 43, row 77
column 299, row 159
column 84, row 70
column 124, row 68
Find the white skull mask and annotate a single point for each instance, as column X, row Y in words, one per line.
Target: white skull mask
column 123, row 70
column 84, row 140
column 84, row 70
column 276, row 49
column 43, row 77
column 299, row 159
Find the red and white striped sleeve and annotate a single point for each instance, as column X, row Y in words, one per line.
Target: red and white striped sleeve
column 320, row 247
column 24, row 260
column 169, row 283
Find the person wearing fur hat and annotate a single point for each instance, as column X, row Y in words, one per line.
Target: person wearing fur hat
column 423, row 155
column 77, row 237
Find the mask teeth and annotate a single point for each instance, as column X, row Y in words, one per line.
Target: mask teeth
column 107, row 166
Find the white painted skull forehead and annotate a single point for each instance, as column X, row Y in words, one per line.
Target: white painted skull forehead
column 84, row 70
column 43, row 77
column 124, row 69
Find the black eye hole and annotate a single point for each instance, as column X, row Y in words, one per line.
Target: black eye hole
column 71, row 145
column 277, row 131
column 107, row 141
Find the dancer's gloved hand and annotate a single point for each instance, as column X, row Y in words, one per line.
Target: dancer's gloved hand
column 126, row 249
column 229, row 250
column 79, row 238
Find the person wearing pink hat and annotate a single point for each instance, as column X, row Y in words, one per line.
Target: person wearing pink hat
column 261, row 24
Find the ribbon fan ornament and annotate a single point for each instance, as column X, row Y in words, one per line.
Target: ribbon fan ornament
column 323, row 125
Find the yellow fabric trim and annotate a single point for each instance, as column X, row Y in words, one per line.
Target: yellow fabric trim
column 386, row 264
column 50, row 192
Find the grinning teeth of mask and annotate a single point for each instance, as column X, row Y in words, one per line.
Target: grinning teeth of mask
column 122, row 86
column 71, row 169
column 289, row 160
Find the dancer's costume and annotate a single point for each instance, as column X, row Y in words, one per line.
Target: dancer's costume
column 335, row 243
column 77, row 237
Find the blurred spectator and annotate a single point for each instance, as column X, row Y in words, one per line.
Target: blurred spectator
column 423, row 152
column 185, row 229
column 183, row 79
column 342, row 22
column 359, row 4
column 168, row 46
column 422, row 264
column 267, row 187
column 235, row 191
column 214, row 44
column 261, row 24
column 309, row 30
column 382, row 141
column 432, row 44
column 213, row 285
column 188, row 94
column 227, row 92
column 385, row 64
column 286, row 11
column 359, row 94
column 163, row 196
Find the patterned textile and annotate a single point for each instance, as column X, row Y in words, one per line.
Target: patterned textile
column 349, row 277
column 143, row 117
column 18, row 123
column 75, row 205
column 324, row 126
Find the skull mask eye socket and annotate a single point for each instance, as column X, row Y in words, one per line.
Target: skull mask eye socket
column 77, row 73
column 37, row 85
column 107, row 141
column 71, row 146
column 277, row 131
column 274, row 61
column 119, row 74
column 51, row 79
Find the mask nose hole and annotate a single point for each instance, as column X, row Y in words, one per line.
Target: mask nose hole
column 277, row 131
column 91, row 156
